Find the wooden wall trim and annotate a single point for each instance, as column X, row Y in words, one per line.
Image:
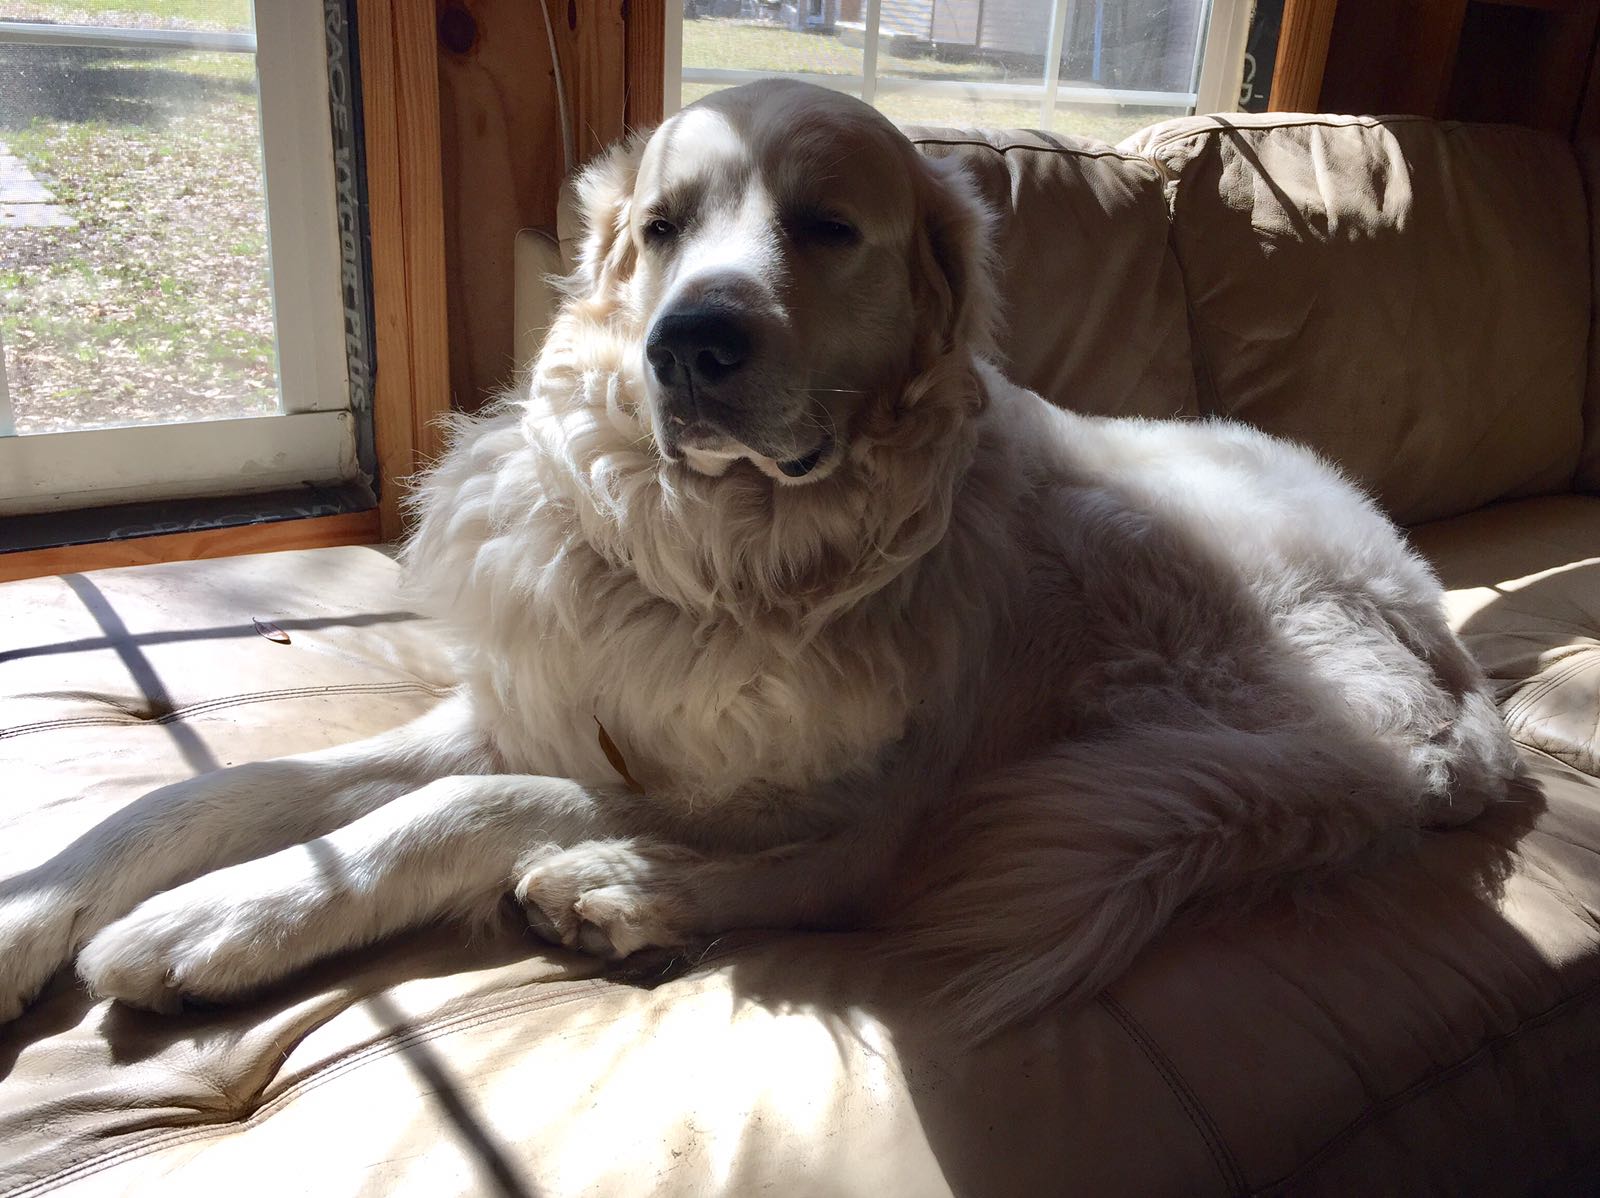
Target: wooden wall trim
column 503, row 150
column 1302, row 54
column 1586, row 121
column 646, row 62
column 1389, row 56
column 591, row 42
column 502, row 171
column 422, row 198
column 316, row 532
column 405, row 197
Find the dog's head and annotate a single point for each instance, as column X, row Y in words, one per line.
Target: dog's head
column 790, row 265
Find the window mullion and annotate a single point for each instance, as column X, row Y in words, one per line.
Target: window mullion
column 302, row 228
column 8, row 426
column 1060, row 16
column 672, row 53
column 869, row 52
column 1226, row 31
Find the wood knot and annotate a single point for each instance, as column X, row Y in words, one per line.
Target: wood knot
column 458, row 29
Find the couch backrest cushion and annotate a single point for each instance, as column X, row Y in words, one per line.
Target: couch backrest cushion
column 1409, row 297
column 1094, row 316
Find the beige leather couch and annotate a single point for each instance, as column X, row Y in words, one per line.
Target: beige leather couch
column 1415, row 299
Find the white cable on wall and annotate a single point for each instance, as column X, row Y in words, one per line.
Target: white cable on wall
column 561, row 88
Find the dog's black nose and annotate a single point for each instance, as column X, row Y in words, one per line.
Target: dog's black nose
column 702, row 345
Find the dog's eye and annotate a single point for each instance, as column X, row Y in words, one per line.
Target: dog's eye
column 660, row 229
column 828, row 230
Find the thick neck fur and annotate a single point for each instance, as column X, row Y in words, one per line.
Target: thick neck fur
column 680, row 609
column 786, row 559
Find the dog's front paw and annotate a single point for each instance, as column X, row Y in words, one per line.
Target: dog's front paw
column 606, row 899
column 36, row 933
column 194, row 942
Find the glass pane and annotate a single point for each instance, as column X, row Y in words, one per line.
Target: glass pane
column 796, row 37
column 1107, row 122
column 963, row 65
column 1260, row 55
column 1137, row 45
column 1124, row 64
column 134, row 277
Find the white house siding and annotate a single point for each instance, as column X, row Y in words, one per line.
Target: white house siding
column 910, row 18
column 1017, row 26
column 1144, row 44
column 955, row 22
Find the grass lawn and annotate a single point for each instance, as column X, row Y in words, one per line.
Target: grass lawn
column 134, row 14
column 156, row 305
column 728, row 43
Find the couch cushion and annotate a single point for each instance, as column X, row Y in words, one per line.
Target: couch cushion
column 1525, row 594
column 1432, row 1029
column 175, row 658
column 1094, row 317
column 1409, row 297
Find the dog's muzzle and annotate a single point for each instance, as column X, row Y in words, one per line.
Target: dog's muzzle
column 698, row 349
column 698, row 355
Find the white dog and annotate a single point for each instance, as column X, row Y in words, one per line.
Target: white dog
column 768, row 584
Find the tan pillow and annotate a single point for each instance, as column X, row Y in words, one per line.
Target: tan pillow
column 1094, row 317
column 1409, row 297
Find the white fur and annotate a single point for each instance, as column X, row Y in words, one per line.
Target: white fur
column 1017, row 683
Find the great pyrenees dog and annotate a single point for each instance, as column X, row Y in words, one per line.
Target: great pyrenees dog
column 775, row 605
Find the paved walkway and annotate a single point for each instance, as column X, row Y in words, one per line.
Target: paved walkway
column 24, row 201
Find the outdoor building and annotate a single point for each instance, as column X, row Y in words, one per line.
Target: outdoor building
column 1144, row 44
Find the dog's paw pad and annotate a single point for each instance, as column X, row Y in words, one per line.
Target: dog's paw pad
column 173, row 951
column 594, row 941
column 121, row 968
column 547, row 900
column 570, row 899
column 627, row 920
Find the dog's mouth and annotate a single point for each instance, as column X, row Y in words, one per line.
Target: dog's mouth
column 800, row 467
column 710, row 448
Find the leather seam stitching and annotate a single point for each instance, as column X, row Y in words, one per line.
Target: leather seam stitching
column 266, row 1110
column 1423, row 1086
column 209, row 705
column 1065, row 151
column 1232, row 1175
column 1523, row 699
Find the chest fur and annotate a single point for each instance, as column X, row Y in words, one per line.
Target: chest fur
column 697, row 706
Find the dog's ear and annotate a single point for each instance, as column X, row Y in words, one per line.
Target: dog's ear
column 605, row 201
column 953, row 269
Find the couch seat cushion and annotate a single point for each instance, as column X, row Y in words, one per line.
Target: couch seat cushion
column 1432, row 1028
column 1525, row 594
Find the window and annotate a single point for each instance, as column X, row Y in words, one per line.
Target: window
column 1104, row 68
column 170, row 255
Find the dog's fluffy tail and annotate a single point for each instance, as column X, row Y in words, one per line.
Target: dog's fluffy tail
column 1047, row 880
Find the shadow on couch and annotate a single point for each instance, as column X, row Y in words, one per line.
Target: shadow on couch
column 1200, row 986
column 1229, row 969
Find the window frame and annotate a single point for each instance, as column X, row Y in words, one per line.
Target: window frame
column 1223, row 34
column 313, row 436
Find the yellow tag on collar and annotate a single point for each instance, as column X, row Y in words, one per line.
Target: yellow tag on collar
column 617, row 760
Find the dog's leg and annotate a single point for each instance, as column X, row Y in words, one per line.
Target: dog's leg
column 181, row 831
column 447, row 849
column 453, row 849
column 1046, row 880
column 611, row 898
